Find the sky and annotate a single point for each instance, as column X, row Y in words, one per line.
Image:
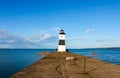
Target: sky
column 36, row 23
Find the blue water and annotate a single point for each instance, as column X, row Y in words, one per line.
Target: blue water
column 14, row 60
column 111, row 55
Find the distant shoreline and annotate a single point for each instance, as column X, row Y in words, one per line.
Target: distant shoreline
column 68, row 48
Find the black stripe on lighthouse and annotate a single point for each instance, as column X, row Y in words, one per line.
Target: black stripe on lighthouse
column 61, row 42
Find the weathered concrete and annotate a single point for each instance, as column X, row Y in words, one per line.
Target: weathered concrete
column 54, row 65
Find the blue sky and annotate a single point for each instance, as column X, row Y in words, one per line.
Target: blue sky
column 36, row 23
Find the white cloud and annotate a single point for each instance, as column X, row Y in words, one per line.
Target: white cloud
column 9, row 40
column 5, row 46
column 38, row 37
column 76, row 38
column 45, row 36
column 89, row 30
column 3, row 31
column 102, row 40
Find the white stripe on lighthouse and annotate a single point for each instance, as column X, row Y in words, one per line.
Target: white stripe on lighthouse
column 61, row 48
column 61, row 37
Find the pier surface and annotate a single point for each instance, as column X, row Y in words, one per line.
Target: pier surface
column 54, row 65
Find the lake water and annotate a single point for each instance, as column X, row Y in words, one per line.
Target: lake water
column 14, row 60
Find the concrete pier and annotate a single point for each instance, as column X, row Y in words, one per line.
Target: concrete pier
column 55, row 65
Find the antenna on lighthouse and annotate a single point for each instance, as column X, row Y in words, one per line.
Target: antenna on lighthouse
column 61, row 46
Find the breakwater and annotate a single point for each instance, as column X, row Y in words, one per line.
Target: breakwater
column 55, row 65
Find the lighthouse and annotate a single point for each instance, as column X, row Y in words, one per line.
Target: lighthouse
column 61, row 46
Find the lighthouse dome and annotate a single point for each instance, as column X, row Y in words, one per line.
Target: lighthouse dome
column 62, row 31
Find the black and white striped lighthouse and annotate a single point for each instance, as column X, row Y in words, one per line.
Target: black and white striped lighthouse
column 61, row 46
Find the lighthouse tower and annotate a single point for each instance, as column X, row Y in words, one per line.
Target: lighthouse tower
column 61, row 46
